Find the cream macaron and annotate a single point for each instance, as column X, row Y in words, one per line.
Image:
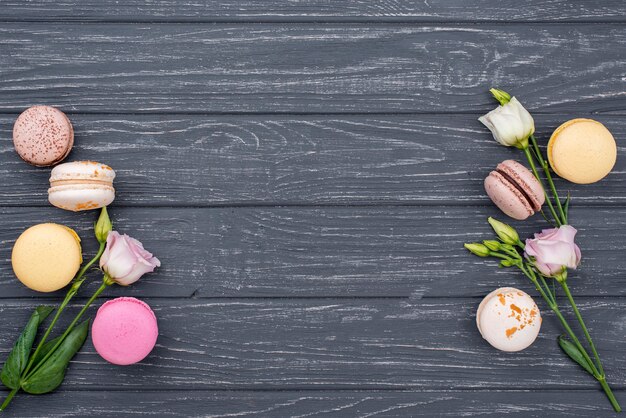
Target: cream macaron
column 81, row 185
column 46, row 257
column 582, row 151
column 508, row 319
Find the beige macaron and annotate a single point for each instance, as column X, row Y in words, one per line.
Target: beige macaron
column 508, row 319
column 582, row 151
column 81, row 185
column 46, row 257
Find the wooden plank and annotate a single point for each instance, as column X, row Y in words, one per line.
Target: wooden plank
column 333, row 344
column 315, row 403
column 195, row 160
column 313, row 10
column 325, row 252
column 310, row 68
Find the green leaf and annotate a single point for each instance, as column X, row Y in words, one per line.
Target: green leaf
column 18, row 358
column 50, row 374
column 45, row 349
column 572, row 351
column 566, row 206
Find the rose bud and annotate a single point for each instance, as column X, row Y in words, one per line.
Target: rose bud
column 478, row 249
column 125, row 260
column 510, row 124
column 554, row 251
column 103, row 226
column 505, row 232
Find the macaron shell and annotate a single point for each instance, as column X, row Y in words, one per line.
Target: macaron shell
column 508, row 319
column 582, row 151
column 125, row 331
column 526, row 180
column 507, row 197
column 43, row 135
column 82, row 170
column 81, row 185
column 80, row 197
column 46, row 257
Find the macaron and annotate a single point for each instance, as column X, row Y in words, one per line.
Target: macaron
column 125, row 331
column 508, row 319
column 43, row 136
column 46, row 257
column 582, row 151
column 81, row 185
column 515, row 190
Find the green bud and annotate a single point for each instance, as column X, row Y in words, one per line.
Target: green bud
column 507, row 263
column 492, row 244
column 501, row 96
column 478, row 249
column 506, row 233
column 103, row 226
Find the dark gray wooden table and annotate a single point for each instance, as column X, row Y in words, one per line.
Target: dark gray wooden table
column 307, row 172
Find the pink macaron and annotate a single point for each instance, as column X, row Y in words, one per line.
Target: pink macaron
column 43, row 136
column 125, row 331
column 515, row 190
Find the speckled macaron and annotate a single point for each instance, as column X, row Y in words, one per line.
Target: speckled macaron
column 43, row 136
column 508, row 319
column 582, row 151
column 81, row 185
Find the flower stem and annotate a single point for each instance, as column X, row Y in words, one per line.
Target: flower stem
column 106, row 282
column 546, row 170
column 531, row 161
column 609, row 394
column 77, row 282
column 91, row 262
column 582, row 324
column 8, row 399
column 555, row 308
column 545, row 285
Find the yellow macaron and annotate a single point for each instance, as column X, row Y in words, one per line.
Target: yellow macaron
column 46, row 257
column 582, row 151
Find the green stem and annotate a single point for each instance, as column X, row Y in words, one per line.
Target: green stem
column 77, row 282
column 8, row 399
column 559, row 315
column 91, row 262
column 609, row 394
column 576, row 341
column 546, row 170
column 105, row 283
column 545, row 285
column 582, row 324
column 500, row 255
column 529, row 157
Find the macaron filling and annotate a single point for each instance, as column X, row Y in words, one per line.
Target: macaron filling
column 516, row 184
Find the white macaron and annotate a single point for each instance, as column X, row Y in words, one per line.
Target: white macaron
column 508, row 319
column 81, row 185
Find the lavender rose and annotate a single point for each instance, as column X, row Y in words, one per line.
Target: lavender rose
column 554, row 250
column 125, row 260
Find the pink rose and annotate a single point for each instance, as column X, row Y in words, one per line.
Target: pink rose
column 554, row 250
column 125, row 259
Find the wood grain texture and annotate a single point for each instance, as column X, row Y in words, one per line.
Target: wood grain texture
column 324, row 252
column 291, row 68
column 285, row 160
column 307, row 171
column 314, row 10
column 332, row 344
column 314, row 403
